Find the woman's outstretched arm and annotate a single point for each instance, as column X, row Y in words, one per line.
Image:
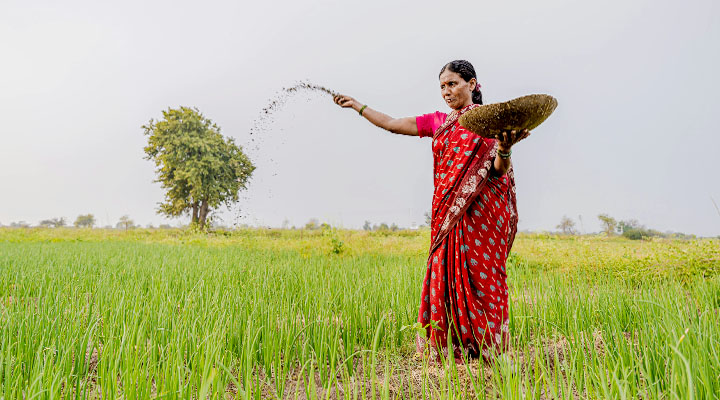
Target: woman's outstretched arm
column 403, row 126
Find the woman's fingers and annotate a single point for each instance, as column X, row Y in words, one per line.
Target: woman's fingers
column 339, row 99
column 504, row 136
column 523, row 134
column 343, row 101
column 509, row 138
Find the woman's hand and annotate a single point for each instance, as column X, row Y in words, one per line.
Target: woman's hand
column 507, row 139
column 346, row 102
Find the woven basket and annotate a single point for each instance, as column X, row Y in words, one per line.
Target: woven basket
column 525, row 112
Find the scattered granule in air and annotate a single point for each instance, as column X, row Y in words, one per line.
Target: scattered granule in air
column 276, row 103
column 264, row 121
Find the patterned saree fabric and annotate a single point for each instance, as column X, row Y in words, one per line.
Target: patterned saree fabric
column 474, row 221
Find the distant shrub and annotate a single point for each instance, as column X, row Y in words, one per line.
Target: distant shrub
column 222, row 232
column 382, row 227
column 336, row 245
column 632, row 229
column 312, row 224
column 635, row 234
column 641, row 233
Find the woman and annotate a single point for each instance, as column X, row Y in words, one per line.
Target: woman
column 474, row 219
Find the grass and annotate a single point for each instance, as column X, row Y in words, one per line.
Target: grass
column 291, row 314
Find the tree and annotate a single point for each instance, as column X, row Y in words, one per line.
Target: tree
column 125, row 222
column 367, row 226
column 197, row 166
column 609, row 223
column 567, row 225
column 428, row 218
column 313, row 223
column 632, row 229
column 53, row 223
column 631, row 224
column 85, row 221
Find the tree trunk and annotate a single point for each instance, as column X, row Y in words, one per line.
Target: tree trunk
column 203, row 213
column 194, row 213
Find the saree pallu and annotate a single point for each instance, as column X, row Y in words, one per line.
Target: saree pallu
column 474, row 221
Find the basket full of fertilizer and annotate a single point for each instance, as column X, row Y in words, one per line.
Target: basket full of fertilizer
column 525, row 112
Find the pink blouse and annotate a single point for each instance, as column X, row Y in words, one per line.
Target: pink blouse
column 427, row 124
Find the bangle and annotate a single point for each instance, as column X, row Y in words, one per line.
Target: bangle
column 362, row 109
column 504, row 156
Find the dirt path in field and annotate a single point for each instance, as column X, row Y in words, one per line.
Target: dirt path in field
column 411, row 376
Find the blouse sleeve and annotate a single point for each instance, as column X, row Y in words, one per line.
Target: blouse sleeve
column 427, row 124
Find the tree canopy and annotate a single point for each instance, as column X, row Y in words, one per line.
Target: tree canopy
column 85, row 221
column 199, row 168
column 567, row 225
column 54, row 223
column 609, row 223
column 125, row 222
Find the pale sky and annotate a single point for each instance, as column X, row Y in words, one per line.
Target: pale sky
column 633, row 135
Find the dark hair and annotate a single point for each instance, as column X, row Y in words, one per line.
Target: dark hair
column 467, row 72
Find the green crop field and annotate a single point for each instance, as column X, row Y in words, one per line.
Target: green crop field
column 330, row 314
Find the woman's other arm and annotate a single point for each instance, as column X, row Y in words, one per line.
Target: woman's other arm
column 403, row 126
column 505, row 143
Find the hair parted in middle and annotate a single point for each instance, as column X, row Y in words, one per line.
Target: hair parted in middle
column 467, row 72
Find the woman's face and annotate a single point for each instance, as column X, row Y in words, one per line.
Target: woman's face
column 456, row 92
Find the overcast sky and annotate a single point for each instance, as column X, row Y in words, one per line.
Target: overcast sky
column 633, row 135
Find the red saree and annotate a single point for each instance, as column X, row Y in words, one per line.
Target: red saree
column 474, row 221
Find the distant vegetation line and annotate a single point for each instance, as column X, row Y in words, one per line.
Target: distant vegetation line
column 629, row 228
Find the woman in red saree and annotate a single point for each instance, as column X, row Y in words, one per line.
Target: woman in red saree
column 474, row 220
